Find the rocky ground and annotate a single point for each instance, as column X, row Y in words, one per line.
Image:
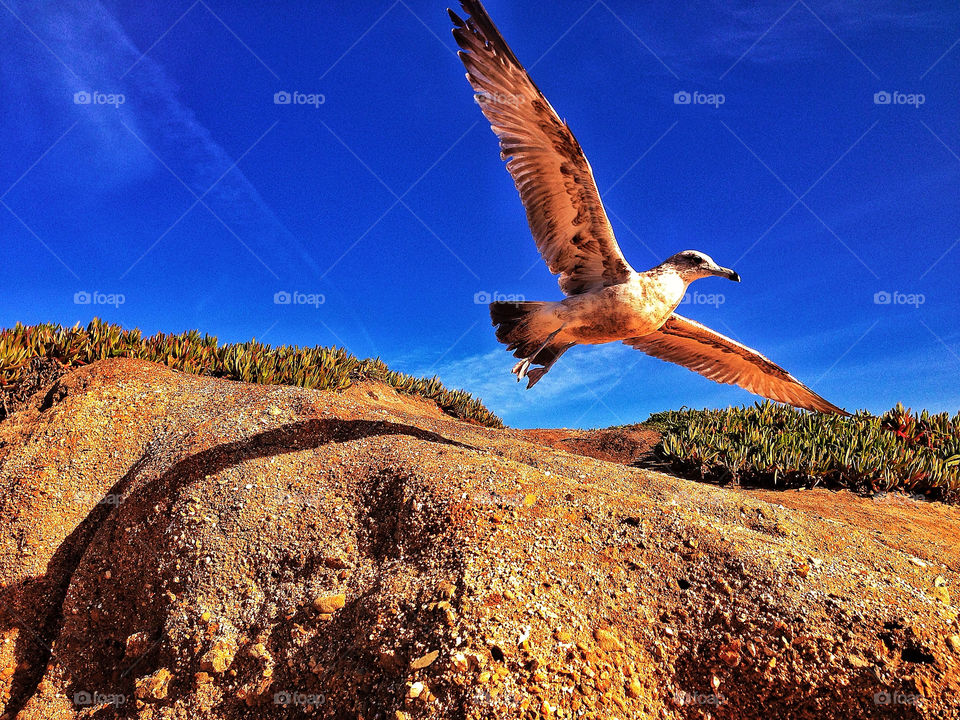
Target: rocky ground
column 173, row 546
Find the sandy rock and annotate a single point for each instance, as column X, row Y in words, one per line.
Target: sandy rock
column 155, row 686
column 329, row 604
column 136, row 644
column 607, row 640
column 220, row 656
column 593, row 594
column 424, row 661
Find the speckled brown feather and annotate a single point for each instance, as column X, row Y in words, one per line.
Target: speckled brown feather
column 551, row 173
column 698, row 348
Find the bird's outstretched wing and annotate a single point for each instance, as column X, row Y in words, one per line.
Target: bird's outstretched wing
column 555, row 181
column 723, row 360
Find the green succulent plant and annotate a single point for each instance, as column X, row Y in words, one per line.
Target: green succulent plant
column 321, row 368
column 770, row 444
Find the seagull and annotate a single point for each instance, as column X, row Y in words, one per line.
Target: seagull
column 606, row 299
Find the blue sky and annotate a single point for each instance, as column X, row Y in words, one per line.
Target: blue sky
column 197, row 198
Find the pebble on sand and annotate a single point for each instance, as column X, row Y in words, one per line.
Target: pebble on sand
column 424, row 661
column 329, row 604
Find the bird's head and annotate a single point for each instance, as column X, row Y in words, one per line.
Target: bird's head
column 692, row 265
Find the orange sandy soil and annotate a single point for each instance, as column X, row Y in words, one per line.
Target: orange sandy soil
column 903, row 521
column 173, row 546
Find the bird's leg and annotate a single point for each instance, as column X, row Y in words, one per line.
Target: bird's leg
column 520, row 369
column 533, row 376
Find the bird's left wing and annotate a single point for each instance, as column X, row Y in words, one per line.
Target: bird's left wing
column 551, row 173
column 717, row 357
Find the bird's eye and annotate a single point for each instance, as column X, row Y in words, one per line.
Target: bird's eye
column 697, row 260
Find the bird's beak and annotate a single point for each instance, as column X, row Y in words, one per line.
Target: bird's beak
column 727, row 273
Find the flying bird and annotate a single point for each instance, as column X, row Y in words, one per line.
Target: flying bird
column 607, row 300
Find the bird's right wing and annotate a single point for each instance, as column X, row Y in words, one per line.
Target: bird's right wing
column 717, row 357
column 550, row 170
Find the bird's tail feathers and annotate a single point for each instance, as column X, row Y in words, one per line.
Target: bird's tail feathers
column 520, row 326
column 528, row 331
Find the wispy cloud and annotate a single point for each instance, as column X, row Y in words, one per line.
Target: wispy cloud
column 581, row 377
column 88, row 50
